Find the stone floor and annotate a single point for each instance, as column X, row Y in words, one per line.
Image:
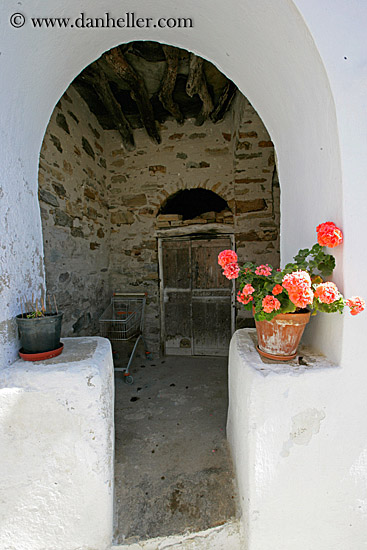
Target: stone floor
column 173, row 470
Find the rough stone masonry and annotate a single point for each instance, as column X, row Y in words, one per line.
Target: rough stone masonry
column 99, row 203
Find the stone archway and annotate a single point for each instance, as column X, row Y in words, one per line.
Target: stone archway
column 104, row 202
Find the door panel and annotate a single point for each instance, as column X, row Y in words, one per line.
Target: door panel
column 211, row 325
column 211, row 299
column 176, row 258
column 177, row 308
column 176, row 264
column 206, row 273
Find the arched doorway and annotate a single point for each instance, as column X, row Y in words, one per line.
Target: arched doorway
column 106, row 199
column 116, row 209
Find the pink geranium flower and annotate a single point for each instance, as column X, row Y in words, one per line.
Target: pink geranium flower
column 327, row 293
column 301, row 297
column 356, row 304
column 270, row 303
column 248, row 289
column 231, row 271
column 244, row 298
column 296, row 280
column 227, row 257
column 278, row 289
column 328, row 234
column 264, row 270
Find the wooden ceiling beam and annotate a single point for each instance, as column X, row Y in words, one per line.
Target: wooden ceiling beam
column 169, row 81
column 196, row 84
column 224, row 103
column 123, row 69
column 111, row 104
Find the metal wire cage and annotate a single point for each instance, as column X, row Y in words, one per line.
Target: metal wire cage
column 123, row 320
column 124, row 317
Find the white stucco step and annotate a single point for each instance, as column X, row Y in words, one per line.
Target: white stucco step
column 57, row 440
column 282, row 426
column 225, row 537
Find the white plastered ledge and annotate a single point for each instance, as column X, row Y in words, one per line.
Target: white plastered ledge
column 57, row 448
column 284, row 442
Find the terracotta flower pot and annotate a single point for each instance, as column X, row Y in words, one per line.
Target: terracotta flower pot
column 278, row 339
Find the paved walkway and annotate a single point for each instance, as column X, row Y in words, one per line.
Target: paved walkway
column 173, row 470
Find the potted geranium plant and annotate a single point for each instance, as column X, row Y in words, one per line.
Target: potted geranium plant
column 39, row 330
column 283, row 300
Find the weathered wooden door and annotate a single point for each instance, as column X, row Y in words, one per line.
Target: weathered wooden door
column 197, row 301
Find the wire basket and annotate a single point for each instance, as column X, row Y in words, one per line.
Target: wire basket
column 123, row 318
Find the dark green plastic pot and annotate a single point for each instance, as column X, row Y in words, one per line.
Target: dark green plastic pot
column 41, row 333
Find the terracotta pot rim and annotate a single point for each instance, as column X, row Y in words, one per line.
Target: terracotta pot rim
column 297, row 316
column 304, row 317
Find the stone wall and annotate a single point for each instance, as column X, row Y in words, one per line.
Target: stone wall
column 141, row 181
column 100, row 203
column 74, row 210
column 255, row 186
column 234, row 158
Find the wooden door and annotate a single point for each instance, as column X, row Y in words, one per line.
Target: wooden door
column 196, row 300
column 176, row 314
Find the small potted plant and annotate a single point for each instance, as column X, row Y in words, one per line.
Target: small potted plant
column 39, row 330
column 282, row 301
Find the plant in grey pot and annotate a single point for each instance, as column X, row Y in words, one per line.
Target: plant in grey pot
column 39, row 330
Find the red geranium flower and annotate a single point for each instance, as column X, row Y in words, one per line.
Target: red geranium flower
column 227, row 257
column 327, row 293
column 264, row 270
column 356, row 304
column 270, row 303
column 328, row 234
column 296, row 280
column 278, row 289
column 244, row 298
column 231, row 271
column 248, row 289
column 301, row 297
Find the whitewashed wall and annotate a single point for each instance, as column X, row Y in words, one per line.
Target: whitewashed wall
column 288, row 452
column 311, row 100
column 264, row 47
